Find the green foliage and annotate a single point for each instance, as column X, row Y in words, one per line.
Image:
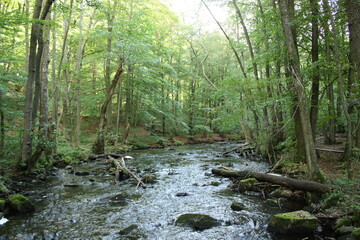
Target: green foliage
column 345, row 194
column 71, row 154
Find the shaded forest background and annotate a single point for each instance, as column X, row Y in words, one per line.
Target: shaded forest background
column 81, row 76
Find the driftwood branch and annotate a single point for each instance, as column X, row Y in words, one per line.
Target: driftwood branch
column 120, row 165
column 305, row 185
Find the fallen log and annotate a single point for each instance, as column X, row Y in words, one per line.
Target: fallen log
column 329, row 150
column 292, row 183
column 120, row 165
column 104, row 155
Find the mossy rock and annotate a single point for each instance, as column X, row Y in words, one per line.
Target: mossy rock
column 355, row 235
column 196, row 221
column 293, row 222
column 247, row 184
column 20, row 204
column 2, row 205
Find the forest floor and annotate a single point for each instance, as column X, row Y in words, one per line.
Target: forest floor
column 331, row 162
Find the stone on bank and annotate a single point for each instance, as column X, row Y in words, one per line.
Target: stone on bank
column 20, row 204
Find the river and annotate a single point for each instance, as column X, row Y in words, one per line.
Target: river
column 94, row 207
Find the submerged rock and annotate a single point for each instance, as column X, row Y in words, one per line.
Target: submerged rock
column 237, row 206
column 129, row 229
column 182, row 194
column 20, row 204
column 293, row 222
column 196, row 221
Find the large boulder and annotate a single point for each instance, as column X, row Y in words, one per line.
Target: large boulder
column 293, row 222
column 196, row 221
column 20, row 204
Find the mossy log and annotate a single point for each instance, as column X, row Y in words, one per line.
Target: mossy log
column 292, row 183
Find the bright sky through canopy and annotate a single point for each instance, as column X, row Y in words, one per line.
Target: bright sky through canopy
column 194, row 13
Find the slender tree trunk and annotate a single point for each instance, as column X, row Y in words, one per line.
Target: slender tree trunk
column 59, row 77
column 294, row 64
column 99, row 145
column 353, row 14
column 110, row 22
column 349, row 141
column 2, row 124
column 36, row 40
column 44, row 94
column 27, row 45
column 28, row 120
column 316, row 71
column 78, row 77
column 55, row 88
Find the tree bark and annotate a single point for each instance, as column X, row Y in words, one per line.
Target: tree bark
column 2, row 124
column 99, row 145
column 44, row 94
column 33, row 73
column 78, row 77
column 294, row 64
column 316, row 71
column 299, row 184
column 353, row 14
column 55, row 89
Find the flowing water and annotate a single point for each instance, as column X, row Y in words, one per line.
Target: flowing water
column 94, row 207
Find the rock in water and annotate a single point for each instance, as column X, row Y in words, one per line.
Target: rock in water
column 237, row 206
column 293, row 222
column 196, row 221
column 20, row 204
column 247, row 184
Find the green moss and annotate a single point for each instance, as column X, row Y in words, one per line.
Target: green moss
column 20, row 203
column 247, row 184
column 356, row 234
column 2, row 205
column 293, row 222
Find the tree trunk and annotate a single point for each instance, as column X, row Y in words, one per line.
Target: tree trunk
column 110, row 22
column 299, row 184
column 33, row 75
column 2, row 124
column 316, row 71
column 78, row 77
column 294, row 64
column 99, row 145
column 353, row 13
column 44, row 94
column 27, row 45
column 55, row 90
